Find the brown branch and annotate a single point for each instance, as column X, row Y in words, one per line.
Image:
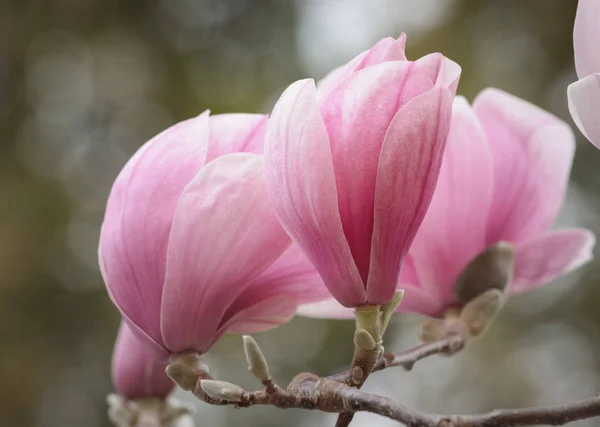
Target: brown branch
column 308, row 391
column 551, row 415
column 556, row 415
column 334, row 395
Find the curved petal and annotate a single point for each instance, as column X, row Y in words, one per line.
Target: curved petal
column 234, row 133
column 357, row 115
column 584, row 105
column 136, row 373
column 139, row 214
column 294, row 275
column 272, row 297
column 442, row 71
column 408, row 169
column 586, row 37
column 454, row 228
column 262, row 314
column 417, row 298
column 533, row 153
column 543, row 259
column 301, row 186
column 387, row 49
column 224, row 234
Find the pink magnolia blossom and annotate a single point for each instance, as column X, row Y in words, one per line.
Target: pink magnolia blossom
column 584, row 95
column 136, row 372
column 503, row 178
column 351, row 166
column 190, row 247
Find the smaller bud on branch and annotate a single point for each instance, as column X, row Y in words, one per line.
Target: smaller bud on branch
column 364, row 340
column 222, row 390
column 257, row 364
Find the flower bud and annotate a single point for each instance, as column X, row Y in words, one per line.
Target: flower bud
column 222, row 390
column 257, row 364
column 364, row 340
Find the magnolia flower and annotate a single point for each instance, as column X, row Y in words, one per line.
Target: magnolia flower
column 136, row 372
column 503, row 179
column 190, row 247
column 351, row 166
column 584, row 95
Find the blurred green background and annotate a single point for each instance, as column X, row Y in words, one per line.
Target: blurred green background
column 83, row 83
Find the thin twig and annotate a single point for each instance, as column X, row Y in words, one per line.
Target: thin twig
column 407, row 359
column 552, row 415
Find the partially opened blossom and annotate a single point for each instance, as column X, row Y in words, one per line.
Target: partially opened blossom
column 503, row 179
column 584, row 95
column 190, row 247
column 351, row 165
column 136, row 371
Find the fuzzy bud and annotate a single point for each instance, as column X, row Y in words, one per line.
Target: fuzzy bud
column 479, row 313
column 222, row 390
column 182, row 375
column 257, row 364
column 364, row 340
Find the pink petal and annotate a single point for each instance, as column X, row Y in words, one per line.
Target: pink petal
column 586, row 37
column 533, row 152
column 543, row 259
column 293, row 275
column 584, row 105
column 224, row 234
column 261, row 315
column 136, row 373
column 137, row 223
column 385, row 50
column 234, row 133
column 301, row 185
column 357, row 115
column 408, row 169
column 454, row 228
column 442, row 71
column 417, row 298
column 272, row 297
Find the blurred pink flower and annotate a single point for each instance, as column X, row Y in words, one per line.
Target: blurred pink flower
column 351, row 166
column 136, row 372
column 503, row 178
column 584, row 95
column 190, row 247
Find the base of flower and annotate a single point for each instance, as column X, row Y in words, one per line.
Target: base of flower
column 148, row 412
